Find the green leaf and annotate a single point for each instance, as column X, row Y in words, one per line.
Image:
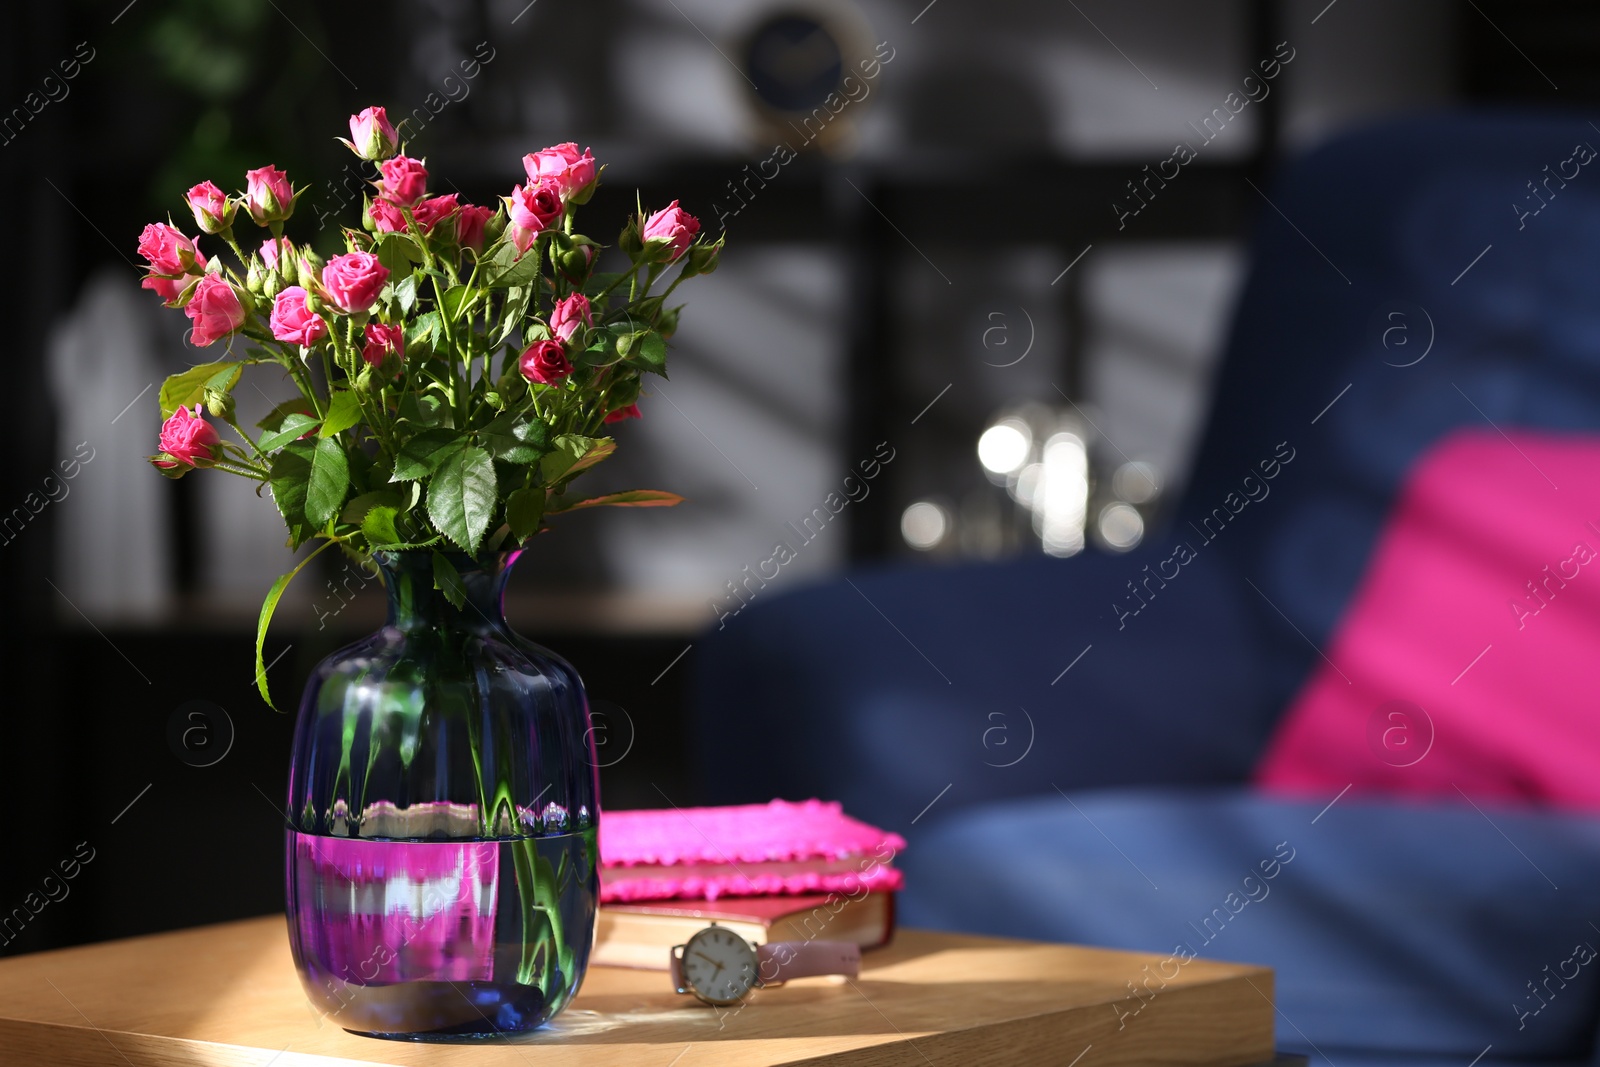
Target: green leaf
column 329, row 481
column 294, row 406
column 513, row 311
column 632, row 498
column 344, row 411
column 188, row 388
column 399, row 253
column 448, row 581
column 290, row 474
column 598, row 282
column 421, row 455
column 294, row 425
column 462, row 495
column 405, row 293
column 598, row 449
column 524, row 511
column 377, row 526
column 651, row 355
column 507, row 269
column 421, row 331
column 569, row 448
column 453, row 299
column 516, row 442
column 603, row 348
column 427, row 410
column 270, row 605
column 354, row 512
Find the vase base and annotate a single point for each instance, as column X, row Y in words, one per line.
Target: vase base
column 446, row 1011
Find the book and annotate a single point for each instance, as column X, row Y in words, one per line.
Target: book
column 642, row 935
column 781, row 847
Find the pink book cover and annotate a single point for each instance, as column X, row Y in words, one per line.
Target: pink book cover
column 781, row 847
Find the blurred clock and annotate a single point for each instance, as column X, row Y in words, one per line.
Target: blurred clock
column 797, row 60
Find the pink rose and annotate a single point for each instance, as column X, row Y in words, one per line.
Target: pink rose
column 562, row 164
column 570, row 313
column 292, row 321
column 168, row 251
column 269, row 251
column 170, row 289
column 354, row 281
column 188, row 439
column 429, row 213
column 214, row 309
column 267, row 195
column 629, row 412
column 212, row 212
column 532, row 208
column 405, row 180
column 545, row 362
column 469, row 225
column 383, row 340
column 372, row 136
column 387, row 216
column 674, row 225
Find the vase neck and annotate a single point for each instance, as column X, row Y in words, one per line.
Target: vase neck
column 414, row 603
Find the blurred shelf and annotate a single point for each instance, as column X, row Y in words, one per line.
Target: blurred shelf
column 581, row 613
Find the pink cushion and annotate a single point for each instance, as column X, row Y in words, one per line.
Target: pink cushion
column 1468, row 662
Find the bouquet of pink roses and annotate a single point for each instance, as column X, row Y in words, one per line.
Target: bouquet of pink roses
column 455, row 366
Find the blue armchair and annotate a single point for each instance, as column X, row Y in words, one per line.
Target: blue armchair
column 1068, row 750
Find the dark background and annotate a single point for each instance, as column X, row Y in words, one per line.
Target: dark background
column 181, row 91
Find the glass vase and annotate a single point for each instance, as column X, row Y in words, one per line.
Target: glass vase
column 442, row 857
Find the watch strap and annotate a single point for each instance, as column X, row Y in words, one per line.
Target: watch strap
column 675, row 968
column 779, row 961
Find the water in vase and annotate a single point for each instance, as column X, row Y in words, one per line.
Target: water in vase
column 430, row 938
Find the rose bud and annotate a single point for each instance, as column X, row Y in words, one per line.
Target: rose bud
column 545, row 362
column 384, row 216
column 215, row 310
column 629, row 412
column 470, row 226
column 405, row 180
column 570, row 313
column 271, row 247
column 372, row 136
column 308, row 269
column 562, row 164
column 702, row 259
column 531, row 209
column 187, row 440
column 574, row 262
column 213, row 212
column 429, row 213
column 168, row 250
column 354, row 280
column 292, row 321
column 382, row 342
column 219, row 402
column 674, row 227
column 268, row 196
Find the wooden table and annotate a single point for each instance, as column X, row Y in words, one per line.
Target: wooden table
column 228, row 996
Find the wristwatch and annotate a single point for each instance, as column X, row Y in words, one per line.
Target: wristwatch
column 722, row 968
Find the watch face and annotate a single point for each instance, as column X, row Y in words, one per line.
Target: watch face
column 719, row 965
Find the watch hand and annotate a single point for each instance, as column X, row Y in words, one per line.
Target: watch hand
column 709, row 960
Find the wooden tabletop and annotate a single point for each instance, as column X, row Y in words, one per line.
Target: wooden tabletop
column 228, row 996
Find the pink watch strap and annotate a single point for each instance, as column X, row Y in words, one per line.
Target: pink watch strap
column 779, row 961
